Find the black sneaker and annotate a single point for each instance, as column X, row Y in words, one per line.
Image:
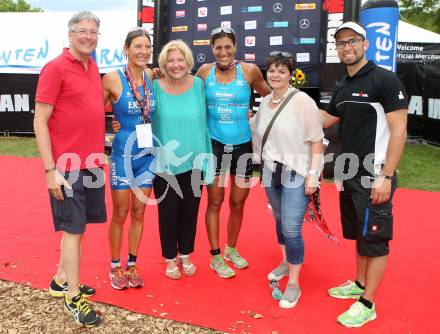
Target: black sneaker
column 57, row 290
column 82, row 312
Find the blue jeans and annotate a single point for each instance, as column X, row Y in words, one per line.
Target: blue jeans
column 289, row 205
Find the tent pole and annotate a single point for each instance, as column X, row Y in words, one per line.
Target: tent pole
column 351, row 10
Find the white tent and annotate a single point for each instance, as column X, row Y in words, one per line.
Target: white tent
column 409, row 33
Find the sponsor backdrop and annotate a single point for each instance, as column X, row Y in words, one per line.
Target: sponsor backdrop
column 25, row 51
column 17, row 102
column 421, row 81
column 260, row 26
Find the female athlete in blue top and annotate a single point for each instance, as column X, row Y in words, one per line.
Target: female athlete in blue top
column 131, row 168
column 228, row 85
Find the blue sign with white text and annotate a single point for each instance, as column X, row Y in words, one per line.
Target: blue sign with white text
column 381, row 24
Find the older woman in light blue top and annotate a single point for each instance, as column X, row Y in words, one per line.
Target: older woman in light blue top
column 183, row 155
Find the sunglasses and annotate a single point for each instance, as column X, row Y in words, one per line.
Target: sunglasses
column 137, row 29
column 226, row 30
column 281, row 53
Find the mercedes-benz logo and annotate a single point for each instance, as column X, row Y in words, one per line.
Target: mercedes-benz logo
column 304, row 23
column 200, row 57
column 277, row 7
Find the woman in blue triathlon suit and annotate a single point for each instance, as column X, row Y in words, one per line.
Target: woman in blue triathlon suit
column 228, row 85
column 131, row 168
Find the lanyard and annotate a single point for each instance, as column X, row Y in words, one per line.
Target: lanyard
column 143, row 103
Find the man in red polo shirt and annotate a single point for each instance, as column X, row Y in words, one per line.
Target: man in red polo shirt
column 69, row 127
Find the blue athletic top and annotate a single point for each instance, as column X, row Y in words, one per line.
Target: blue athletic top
column 228, row 104
column 128, row 114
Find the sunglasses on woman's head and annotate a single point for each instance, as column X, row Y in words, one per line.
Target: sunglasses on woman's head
column 137, row 29
column 281, row 53
column 226, row 30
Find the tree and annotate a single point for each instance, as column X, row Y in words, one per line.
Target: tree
column 423, row 13
column 17, row 6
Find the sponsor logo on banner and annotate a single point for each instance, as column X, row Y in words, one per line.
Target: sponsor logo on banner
column 180, row 2
column 249, row 57
column 335, row 18
column 202, row 12
column 276, row 40
column 198, row 42
column 252, row 9
column 14, row 102
column 201, row 57
column 277, row 7
column 202, row 27
column 179, row 28
column 250, row 25
column 180, row 13
column 249, row 41
column 304, row 24
column 225, row 24
column 277, row 24
column 305, row 6
column 303, row 57
column 225, row 10
column 307, row 41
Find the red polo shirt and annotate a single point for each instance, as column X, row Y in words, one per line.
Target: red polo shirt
column 76, row 126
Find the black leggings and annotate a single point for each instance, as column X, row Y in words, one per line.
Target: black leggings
column 177, row 215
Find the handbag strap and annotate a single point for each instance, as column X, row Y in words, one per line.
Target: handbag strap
column 269, row 127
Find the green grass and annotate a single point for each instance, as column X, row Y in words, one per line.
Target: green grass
column 419, row 167
column 18, row 146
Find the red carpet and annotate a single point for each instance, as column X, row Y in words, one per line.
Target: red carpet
column 407, row 302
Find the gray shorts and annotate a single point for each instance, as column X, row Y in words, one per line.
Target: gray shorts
column 83, row 204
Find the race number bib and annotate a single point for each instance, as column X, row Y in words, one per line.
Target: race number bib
column 144, row 135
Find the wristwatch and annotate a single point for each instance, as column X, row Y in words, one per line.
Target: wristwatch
column 388, row 177
column 315, row 172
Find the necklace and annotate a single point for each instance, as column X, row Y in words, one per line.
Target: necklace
column 143, row 102
column 227, row 68
column 276, row 101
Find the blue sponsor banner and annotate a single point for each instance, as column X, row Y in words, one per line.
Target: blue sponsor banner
column 381, row 24
column 261, row 27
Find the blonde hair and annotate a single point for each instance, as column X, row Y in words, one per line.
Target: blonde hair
column 178, row 45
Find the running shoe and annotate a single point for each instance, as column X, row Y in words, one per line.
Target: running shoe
column 134, row 280
column 220, row 267
column 357, row 315
column 348, row 290
column 118, row 278
column 59, row 290
column 231, row 254
column 82, row 312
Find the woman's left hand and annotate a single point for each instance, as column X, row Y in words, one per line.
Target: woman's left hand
column 312, row 183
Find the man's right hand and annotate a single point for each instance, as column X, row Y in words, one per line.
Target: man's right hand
column 115, row 126
column 54, row 181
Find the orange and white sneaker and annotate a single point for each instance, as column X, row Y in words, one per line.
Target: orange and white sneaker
column 118, row 278
column 134, row 280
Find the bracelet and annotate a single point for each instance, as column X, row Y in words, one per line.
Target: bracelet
column 388, row 177
column 50, row 169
